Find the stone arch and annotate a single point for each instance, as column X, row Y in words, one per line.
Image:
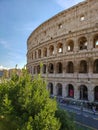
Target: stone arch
column 51, row 68
column 51, row 50
column 50, row 88
column 34, row 69
column 96, row 93
column 70, row 45
column 60, row 48
column 39, row 53
column 35, row 54
column 45, row 52
column 32, row 55
column 82, row 43
column 70, row 67
column 83, row 66
column 95, row 41
column 70, row 90
column 59, row 67
column 95, row 66
column 38, row 69
column 83, row 92
column 59, row 89
column 44, row 68
column 28, row 57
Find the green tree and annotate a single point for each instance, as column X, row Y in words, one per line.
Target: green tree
column 27, row 103
column 67, row 121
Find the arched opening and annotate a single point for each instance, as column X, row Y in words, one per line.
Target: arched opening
column 35, row 54
column 70, row 45
column 31, row 69
column 44, row 69
column 51, row 50
column 59, row 89
column 82, row 18
column 70, row 67
column 34, row 69
column 59, row 67
column 32, row 56
column 96, row 93
column 60, row 48
column 45, row 52
column 83, row 92
column 39, row 53
column 95, row 66
column 38, row 69
column 70, row 91
column 82, row 43
column 51, row 68
column 95, row 41
column 28, row 57
column 50, row 88
column 83, row 66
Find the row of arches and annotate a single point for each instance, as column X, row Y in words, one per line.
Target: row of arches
column 82, row 44
column 70, row 67
column 83, row 91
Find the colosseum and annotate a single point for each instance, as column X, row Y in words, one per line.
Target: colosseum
column 67, row 45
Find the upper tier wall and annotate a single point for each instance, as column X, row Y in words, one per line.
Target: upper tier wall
column 81, row 16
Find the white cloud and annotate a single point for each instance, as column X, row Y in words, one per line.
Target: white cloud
column 2, row 67
column 5, row 44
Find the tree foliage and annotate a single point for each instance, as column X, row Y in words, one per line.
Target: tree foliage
column 67, row 122
column 27, row 103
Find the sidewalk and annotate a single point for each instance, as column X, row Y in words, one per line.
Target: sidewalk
column 79, row 108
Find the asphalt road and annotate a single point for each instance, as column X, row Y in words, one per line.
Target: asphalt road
column 84, row 118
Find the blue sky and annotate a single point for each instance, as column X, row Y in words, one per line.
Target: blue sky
column 18, row 18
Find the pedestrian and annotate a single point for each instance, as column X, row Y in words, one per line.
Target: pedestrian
column 94, row 109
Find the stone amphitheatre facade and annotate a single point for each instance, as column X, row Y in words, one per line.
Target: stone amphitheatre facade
column 67, row 45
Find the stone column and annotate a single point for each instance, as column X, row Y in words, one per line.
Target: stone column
column 91, row 93
column 90, row 42
column 54, row 89
column 64, row 46
column 63, row 63
column 76, row 45
column 65, row 90
column 65, row 67
column 47, row 51
column 55, row 49
column 90, row 67
column 42, row 52
column 76, row 69
column 76, row 92
column 54, row 64
column 47, row 69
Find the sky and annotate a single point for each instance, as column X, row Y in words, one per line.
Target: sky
column 18, row 19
